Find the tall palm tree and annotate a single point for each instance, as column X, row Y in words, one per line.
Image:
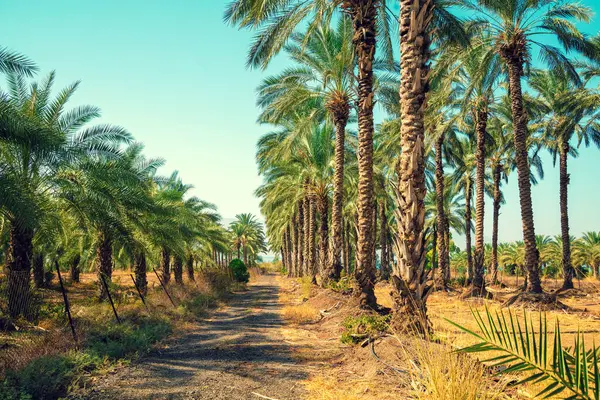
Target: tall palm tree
column 321, row 81
column 587, row 249
column 570, row 112
column 477, row 78
column 514, row 29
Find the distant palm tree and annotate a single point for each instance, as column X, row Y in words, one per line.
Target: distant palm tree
column 569, row 112
column 514, row 28
column 587, row 250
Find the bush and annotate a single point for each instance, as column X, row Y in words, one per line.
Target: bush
column 240, row 272
column 364, row 326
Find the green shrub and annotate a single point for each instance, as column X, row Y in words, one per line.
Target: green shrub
column 126, row 340
column 198, row 304
column 344, row 285
column 240, row 272
column 364, row 326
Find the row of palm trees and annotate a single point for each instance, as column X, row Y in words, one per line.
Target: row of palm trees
column 457, row 122
column 585, row 257
column 83, row 196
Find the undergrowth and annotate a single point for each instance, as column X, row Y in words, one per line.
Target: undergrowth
column 364, row 326
column 104, row 343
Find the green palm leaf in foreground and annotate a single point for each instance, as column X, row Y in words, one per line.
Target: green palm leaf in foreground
column 523, row 350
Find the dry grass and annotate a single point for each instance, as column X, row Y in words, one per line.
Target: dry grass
column 437, row 373
column 300, row 314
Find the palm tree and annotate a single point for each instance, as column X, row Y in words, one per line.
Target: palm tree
column 477, row 79
column 587, row 249
column 248, row 232
column 321, row 81
column 570, row 111
column 514, row 28
column 57, row 139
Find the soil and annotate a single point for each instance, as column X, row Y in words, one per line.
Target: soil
column 237, row 353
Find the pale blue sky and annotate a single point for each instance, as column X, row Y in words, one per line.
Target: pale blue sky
column 174, row 75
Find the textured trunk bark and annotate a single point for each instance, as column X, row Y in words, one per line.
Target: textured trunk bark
column 468, row 196
column 347, row 256
column 141, row 279
column 245, row 251
column 478, row 279
column 497, row 171
column 410, row 279
column 442, row 246
column 301, row 238
column 383, row 243
column 290, row 250
column 339, row 108
column 74, row 270
column 312, row 246
column 323, row 234
column 165, row 265
column 568, row 270
column 18, row 261
column 283, row 250
column 104, row 263
column 38, row 270
column 364, row 19
column 295, row 238
column 178, row 269
column 190, row 268
column 519, row 115
column 374, row 252
column 239, row 249
column 306, row 231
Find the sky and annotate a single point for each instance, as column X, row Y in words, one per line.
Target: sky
column 173, row 73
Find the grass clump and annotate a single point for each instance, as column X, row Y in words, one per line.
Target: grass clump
column 300, row 314
column 364, row 326
column 344, row 285
column 126, row 339
column 306, row 287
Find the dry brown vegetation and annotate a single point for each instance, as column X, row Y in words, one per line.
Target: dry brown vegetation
column 51, row 335
column 409, row 367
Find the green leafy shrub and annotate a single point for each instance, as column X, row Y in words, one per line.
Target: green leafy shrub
column 126, row 339
column 364, row 326
column 344, row 285
column 240, row 272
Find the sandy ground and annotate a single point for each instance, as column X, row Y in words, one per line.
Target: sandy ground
column 237, row 353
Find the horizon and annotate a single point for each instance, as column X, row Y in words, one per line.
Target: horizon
column 176, row 78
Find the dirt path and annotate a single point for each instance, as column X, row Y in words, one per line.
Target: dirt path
column 237, row 351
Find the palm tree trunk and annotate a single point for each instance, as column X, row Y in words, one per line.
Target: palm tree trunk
column 18, row 261
column 468, row 196
column 178, row 269
column 442, row 246
column 190, row 268
column 323, row 233
column 383, row 233
column 38, row 270
column 568, row 271
column 306, row 231
column 514, row 60
column 239, row 248
column 347, row 256
column 364, row 16
column 166, row 265
column 374, row 254
column 301, row 239
column 104, row 263
column 245, row 254
column 74, row 270
column 339, row 108
column 497, row 197
column 141, row 279
column 410, row 279
column 290, row 250
column 312, row 247
column 478, row 280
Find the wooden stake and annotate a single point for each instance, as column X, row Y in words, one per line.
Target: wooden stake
column 139, row 292
column 110, row 298
column 164, row 287
column 66, row 300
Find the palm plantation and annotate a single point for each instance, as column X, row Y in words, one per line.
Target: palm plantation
column 382, row 135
